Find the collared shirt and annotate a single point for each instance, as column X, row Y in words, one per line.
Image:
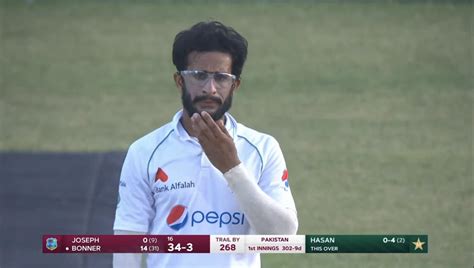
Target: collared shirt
column 169, row 186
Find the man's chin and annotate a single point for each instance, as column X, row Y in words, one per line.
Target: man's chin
column 214, row 115
column 211, row 112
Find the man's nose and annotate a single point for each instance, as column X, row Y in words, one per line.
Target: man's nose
column 210, row 86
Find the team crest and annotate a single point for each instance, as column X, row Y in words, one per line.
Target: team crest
column 51, row 243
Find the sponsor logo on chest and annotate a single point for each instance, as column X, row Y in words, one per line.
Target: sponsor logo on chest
column 174, row 186
column 166, row 187
column 178, row 217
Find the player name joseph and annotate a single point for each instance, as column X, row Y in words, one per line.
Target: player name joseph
column 86, row 240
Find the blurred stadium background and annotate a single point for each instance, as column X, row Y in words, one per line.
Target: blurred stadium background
column 371, row 102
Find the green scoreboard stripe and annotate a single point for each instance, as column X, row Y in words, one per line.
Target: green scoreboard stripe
column 366, row 243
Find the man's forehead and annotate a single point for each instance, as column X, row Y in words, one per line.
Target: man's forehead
column 210, row 61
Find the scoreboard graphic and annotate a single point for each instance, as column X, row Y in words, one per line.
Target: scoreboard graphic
column 235, row 244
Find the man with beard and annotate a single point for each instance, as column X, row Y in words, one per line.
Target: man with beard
column 204, row 173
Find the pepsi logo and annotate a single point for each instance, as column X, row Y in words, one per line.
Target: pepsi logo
column 161, row 175
column 284, row 178
column 177, row 217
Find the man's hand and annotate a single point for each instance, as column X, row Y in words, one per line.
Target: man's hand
column 215, row 141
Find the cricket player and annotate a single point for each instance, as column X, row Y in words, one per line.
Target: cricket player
column 203, row 172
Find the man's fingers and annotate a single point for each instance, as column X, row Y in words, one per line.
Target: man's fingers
column 207, row 128
column 221, row 125
column 196, row 124
column 217, row 127
column 201, row 127
column 213, row 127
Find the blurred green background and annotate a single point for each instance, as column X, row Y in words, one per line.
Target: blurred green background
column 371, row 103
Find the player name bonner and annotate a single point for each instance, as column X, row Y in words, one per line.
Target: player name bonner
column 88, row 240
column 274, row 239
column 322, row 239
column 85, row 248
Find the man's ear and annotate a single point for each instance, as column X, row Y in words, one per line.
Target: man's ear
column 236, row 84
column 178, row 80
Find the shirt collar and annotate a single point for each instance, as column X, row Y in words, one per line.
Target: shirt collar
column 230, row 125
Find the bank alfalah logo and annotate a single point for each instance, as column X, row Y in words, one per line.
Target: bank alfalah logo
column 163, row 183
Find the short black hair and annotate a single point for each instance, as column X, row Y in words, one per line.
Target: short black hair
column 210, row 36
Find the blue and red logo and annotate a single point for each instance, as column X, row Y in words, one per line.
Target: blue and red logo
column 177, row 217
column 284, row 178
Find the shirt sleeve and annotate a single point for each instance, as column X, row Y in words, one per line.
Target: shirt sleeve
column 261, row 210
column 135, row 201
column 274, row 180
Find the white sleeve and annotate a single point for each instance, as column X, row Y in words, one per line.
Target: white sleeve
column 135, row 205
column 128, row 260
column 261, row 209
column 274, row 179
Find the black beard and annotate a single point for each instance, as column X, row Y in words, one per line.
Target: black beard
column 190, row 108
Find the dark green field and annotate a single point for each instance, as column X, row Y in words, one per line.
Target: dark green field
column 371, row 104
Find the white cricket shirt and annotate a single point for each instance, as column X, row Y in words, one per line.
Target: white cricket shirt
column 169, row 186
